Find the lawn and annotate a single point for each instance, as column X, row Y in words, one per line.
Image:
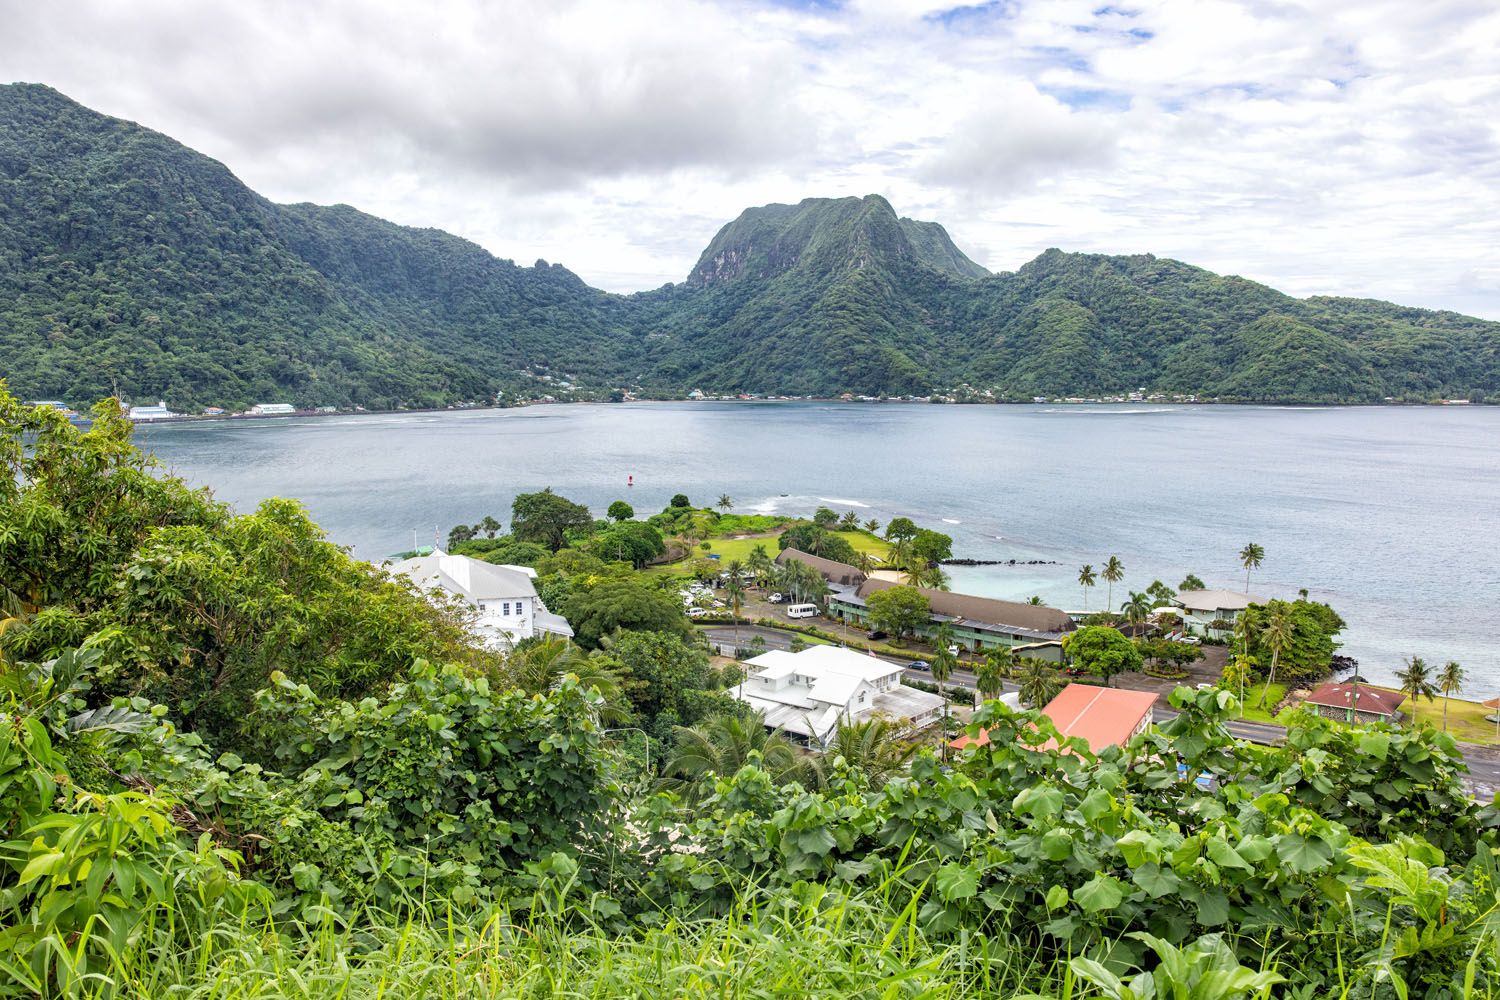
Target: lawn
column 1465, row 718
column 728, row 549
column 1253, row 713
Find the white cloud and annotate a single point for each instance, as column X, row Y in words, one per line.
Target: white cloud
column 1322, row 146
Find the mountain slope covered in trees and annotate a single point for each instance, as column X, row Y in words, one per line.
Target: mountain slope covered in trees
column 131, row 264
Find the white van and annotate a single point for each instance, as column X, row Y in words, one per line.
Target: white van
column 802, row 611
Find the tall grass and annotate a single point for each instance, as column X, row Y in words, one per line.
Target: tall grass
column 813, row 943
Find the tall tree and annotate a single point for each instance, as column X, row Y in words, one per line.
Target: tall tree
column 1191, row 582
column 734, row 589
column 1038, row 681
column 1114, row 572
column 1137, row 609
column 876, row 748
column 547, row 518
column 1250, row 558
column 1086, row 580
column 1102, row 651
column 1277, row 634
column 1451, row 681
column 849, row 522
column 944, row 659
column 760, row 564
column 621, row 511
column 726, row 502
column 723, row 744
column 872, row 526
column 990, row 674
column 1416, row 682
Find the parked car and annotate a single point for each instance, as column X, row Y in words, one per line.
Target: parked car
column 697, row 612
column 953, row 650
column 875, row 633
column 776, row 598
column 919, row 665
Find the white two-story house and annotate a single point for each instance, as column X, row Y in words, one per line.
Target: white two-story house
column 807, row 694
column 505, row 597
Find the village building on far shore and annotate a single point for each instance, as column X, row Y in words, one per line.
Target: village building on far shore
column 1101, row 716
column 505, row 596
column 1358, row 703
column 808, row 693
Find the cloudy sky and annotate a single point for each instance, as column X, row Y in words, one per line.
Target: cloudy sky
column 1321, row 146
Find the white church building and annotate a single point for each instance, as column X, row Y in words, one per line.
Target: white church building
column 505, row 596
column 807, row 694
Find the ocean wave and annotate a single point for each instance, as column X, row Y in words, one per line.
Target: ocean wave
column 843, row 503
column 949, row 520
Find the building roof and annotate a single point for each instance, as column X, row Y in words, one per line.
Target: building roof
column 833, row 572
column 821, row 661
column 1217, row 600
column 1102, row 716
column 1360, row 697
column 835, row 674
column 962, row 609
column 469, row 578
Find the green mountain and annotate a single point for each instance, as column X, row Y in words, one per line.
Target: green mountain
column 131, row 264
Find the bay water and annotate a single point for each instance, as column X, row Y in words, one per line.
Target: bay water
column 1390, row 514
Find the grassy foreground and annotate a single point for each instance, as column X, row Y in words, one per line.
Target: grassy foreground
column 819, row 944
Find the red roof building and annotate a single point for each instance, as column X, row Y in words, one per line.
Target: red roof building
column 1102, row 716
column 1356, row 703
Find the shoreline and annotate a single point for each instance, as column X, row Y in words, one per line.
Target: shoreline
column 1080, row 403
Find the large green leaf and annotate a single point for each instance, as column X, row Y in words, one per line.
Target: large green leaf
column 1100, row 893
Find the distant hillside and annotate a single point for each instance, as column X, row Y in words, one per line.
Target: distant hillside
column 130, row 263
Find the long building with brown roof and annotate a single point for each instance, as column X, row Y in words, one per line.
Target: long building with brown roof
column 977, row 622
column 836, row 573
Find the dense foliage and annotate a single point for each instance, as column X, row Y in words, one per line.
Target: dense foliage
column 132, row 265
column 371, row 822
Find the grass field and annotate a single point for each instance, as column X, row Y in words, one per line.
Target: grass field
column 1253, row 713
column 728, row 549
column 1465, row 718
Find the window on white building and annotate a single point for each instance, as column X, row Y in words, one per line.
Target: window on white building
column 506, row 610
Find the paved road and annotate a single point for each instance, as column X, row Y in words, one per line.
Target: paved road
column 1484, row 762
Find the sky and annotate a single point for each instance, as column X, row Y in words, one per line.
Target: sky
column 1322, row 147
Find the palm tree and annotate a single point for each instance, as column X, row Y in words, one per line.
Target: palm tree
column 1277, row 635
column 539, row 666
column 1416, row 682
column 1250, row 558
column 1137, row 609
column 931, row 577
column 990, row 675
column 943, row 662
column 1451, row 682
column 876, row 747
column 872, row 526
column 1038, row 681
column 724, row 744
column 734, row 589
column 849, row 522
column 1086, row 579
column 760, row 563
column 864, row 562
column 726, row 504
column 1114, row 572
column 898, row 554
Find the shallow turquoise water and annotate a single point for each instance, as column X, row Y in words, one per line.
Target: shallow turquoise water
column 1390, row 514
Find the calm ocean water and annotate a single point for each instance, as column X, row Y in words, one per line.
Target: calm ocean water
column 1392, row 515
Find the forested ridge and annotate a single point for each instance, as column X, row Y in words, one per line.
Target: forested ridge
column 131, row 265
